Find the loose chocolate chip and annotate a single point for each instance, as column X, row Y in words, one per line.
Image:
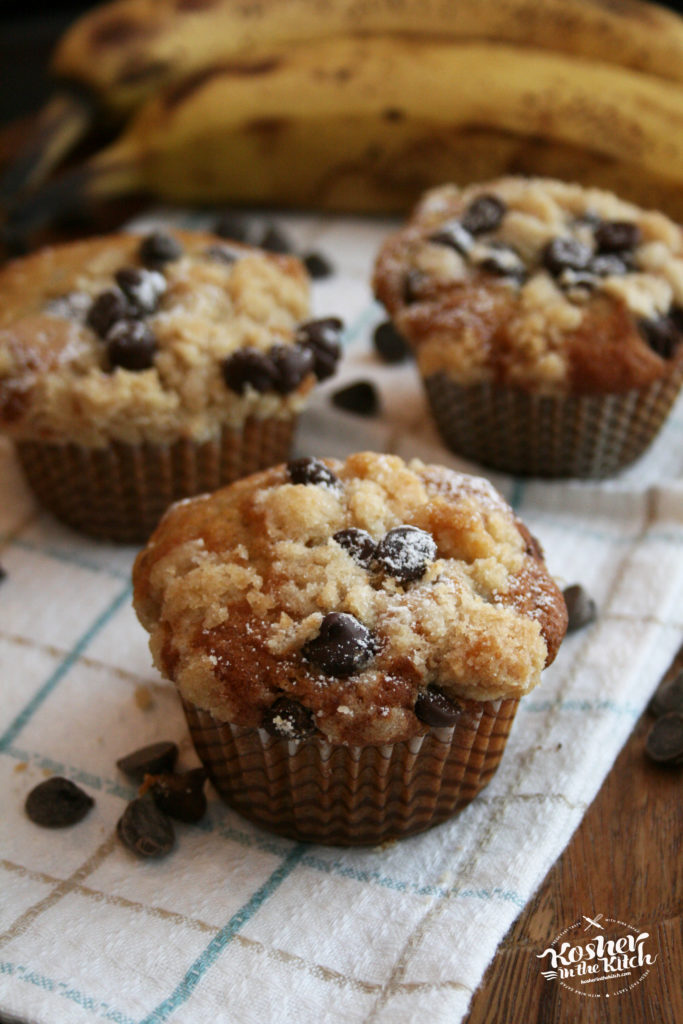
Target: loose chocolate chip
column 453, row 235
column 146, row 830
column 231, row 225
column 565, row 254
column 617, row 236
column 661, row 334
column 435, row 709
column 180, row 795
column 668, row 696
column 274, row 239
column 484, row 214
column 343, row 645
column 160, row 248
column 143, row 288
column 608, row 264
column 358, row 543
column 150, row 760
column 405, row 552
column 412, row 286
column 308, row 470
column 249, row 367
column 322, row 337
column 292, row 363
column 581, row 608
column 107, row 309
column 57, row 802
column 503, row 261
column 664, row 742
column 131, row 345
column 288, row 719
column 361, row 398
column 317, row 265
column 389, row 344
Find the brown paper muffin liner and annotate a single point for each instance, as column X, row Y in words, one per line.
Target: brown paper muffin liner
column 551, row 436
column 320, row 792
column 120, row 492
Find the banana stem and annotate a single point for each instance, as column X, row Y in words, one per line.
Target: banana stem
column 74, row 191
column 60, row 125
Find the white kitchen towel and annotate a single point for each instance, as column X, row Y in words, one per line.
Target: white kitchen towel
column 237, row 926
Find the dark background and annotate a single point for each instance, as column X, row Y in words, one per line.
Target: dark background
column 27, row 37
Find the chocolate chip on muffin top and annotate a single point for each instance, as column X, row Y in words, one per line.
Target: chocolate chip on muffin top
column 367, row 600
column 538, row 284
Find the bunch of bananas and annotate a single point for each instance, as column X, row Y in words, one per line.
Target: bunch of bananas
column 359, row 105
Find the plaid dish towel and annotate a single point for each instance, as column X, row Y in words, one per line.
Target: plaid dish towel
column 237, row 925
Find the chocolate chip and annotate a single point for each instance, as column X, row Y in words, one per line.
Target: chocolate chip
column 145, row 830
column 160, row 248
column 153, row 759
column 142, row 288
column 503, row 261
column 221, row 254
column 617, row 235
column 249, row 367
column 322, row 337
column 288, row 719
column 565, row 254
column 343, row 645
column 412, row 286
column 292, row 363
column 664, row 742
column 358, row 543
column 232, row 225
column 435, row 709
column 389, row 344
column 107, row 309
column 317, row 265
column 308, row 470
column 484, row 214
column 361, row 398
column 180, row 795
column 661, row 334
column 581, row 608
column 131, row 345
column 453, row 235
column 57, row 802
column 274, row 239
column 668, row 696
column 3, row 574
column 608, row 264
column 405, row 552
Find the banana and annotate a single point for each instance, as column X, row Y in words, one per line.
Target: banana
column 120, row 54
column 366, row 124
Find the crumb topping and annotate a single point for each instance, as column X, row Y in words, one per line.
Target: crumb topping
column 533, row 283
column 255, row 594
column 132, row 339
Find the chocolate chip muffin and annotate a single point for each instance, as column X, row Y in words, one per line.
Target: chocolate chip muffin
column 350, row 640
column 137, row 370
column 546, row 318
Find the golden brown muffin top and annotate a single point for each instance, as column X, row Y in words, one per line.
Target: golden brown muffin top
column 370, row 595
column 128, row 338
column 536, row 284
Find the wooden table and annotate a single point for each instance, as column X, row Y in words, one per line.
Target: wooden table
column 624, row 862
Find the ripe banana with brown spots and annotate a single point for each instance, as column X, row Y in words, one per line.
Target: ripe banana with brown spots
column 120, row 54
column 365, row 124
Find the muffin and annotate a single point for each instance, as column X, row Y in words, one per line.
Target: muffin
column 135, row 371
column 546, row 319
column 350, row 640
